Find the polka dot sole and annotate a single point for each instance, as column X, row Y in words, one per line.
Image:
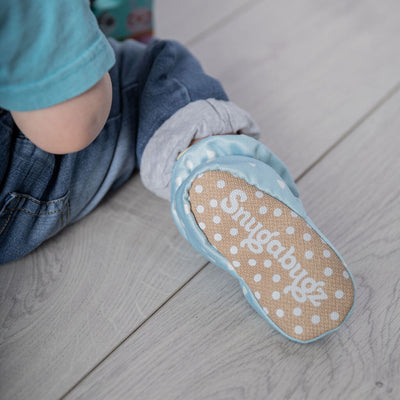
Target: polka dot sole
column 298, row 279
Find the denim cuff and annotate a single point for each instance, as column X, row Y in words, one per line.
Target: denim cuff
column 197, row 120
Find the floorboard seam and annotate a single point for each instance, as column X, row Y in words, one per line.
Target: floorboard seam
column 347, row 133
column 217, row 25
column 133, row 332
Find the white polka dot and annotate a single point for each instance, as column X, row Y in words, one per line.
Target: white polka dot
column 262, row 210
column 267, row 263
column 277, row 212
column 258, row 295
column 244, row 290
column 216, row 219
column 309, row 254
column 198, row 188
column 200, row 209
column 307, row 237
column 326, row 253
column 328, row 271
column 221, row 184
column 230, row 267
column 213, row 203
column 280, row 313
column 217, row 237
column 236, row 264
column 189, row 164
column 210, row 154
column 276, row 295
column 187, row 208
column 315, row 319
column 252, row 262
column 334, row 316
column 339, row 294
column 178, row 180
column 257, row 277
column 200, row 175
column 280, row 183
column 233, row 231
column 233, row 250
column 290, row 230
column 298, row 330
column 346, row 275
column 266, row 310
column 202, row 225
column 259, row 194
column 276, row 278
column 293, row 214
column 297, row 311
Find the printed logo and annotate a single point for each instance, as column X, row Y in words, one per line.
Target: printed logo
column 261, row 239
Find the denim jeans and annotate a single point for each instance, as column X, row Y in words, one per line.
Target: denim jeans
column 41, row 193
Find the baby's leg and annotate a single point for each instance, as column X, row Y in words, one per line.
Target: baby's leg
column 236, row 203
column 41, row 193
column 162, row 103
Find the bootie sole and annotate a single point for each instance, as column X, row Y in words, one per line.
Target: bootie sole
column 297, row 279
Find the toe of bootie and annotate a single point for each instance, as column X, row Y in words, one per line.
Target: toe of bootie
column 237, row 204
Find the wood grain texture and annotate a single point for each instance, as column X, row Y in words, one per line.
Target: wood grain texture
column 187, row 21
column 65, row 306
column 306, row 71
column 208, row 343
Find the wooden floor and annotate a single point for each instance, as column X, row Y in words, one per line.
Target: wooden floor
column 119, row 306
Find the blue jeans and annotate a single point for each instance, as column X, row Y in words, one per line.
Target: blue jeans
column 41, row 193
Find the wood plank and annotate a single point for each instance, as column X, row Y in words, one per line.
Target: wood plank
column 208, row 343
column 187, row 20
column 65, row 306
column 306, row 71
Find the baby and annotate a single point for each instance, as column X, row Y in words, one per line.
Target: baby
column 80, row 113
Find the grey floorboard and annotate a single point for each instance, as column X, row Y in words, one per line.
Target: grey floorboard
column 306, row 71
column 187, row 21
column 66, row 305
column 207, row 342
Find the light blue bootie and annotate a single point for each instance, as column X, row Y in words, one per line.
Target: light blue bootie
column 236, row 203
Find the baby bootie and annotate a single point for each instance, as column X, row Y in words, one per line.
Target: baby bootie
column 237, row 204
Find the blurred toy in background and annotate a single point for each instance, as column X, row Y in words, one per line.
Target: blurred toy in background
column 122, row 19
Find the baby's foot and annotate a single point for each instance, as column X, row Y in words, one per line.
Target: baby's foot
column 246, row 218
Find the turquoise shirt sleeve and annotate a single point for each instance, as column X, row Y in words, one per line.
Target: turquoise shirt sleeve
column 50, row 51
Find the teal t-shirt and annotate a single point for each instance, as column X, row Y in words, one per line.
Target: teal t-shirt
column 50, row 51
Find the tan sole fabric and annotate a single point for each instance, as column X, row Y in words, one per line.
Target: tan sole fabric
column 296, row 277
